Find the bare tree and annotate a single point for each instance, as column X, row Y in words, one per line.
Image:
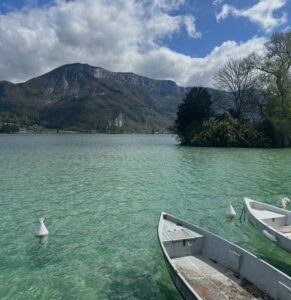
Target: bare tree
column 240, row 79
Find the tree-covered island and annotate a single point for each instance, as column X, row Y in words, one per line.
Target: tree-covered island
column 252, row 107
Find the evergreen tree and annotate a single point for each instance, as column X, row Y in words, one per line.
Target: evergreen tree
column 194, row 109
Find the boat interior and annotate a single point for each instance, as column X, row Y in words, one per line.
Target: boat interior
column 209, row 279
column 275, row 219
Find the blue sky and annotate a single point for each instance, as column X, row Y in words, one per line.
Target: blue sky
column 182, row 40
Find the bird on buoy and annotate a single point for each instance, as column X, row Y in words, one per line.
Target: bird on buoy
column 230, row 212
column 41, row 230
column 283, row 202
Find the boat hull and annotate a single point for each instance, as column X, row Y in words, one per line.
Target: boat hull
column 205, row 266
column 268, row 232
column 280, row 240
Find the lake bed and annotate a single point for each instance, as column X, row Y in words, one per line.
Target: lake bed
column 101, row 196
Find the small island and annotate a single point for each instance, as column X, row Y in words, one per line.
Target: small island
column 252, row 106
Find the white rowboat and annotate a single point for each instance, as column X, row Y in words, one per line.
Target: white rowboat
column 272, row 221
column 204, row 266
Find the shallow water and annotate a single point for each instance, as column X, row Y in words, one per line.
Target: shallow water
column 102, row 195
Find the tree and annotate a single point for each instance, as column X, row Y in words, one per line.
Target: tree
column 239, row 78
column 9, row 128
column 276, row 64
column 227, row 131
column 195, row 108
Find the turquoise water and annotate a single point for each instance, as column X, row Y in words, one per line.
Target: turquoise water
column 102, row 195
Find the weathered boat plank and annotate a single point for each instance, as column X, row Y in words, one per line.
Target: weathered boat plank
column 284, row 229
column 204, row 266
column 174, row 232
column 213, row 281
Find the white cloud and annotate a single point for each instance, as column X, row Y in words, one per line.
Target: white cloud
column 191, row 28
column 117, row 35
column 261, row 13
column 167, row 5
column 161, row 25
column 217, row 2
column 189, row 71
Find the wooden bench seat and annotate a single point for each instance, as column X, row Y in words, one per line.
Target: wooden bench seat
column 284, row 229
column 174, row 233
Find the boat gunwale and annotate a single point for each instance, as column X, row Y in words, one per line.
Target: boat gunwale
column 270, row 228
column 169, row 260
column 210, row 234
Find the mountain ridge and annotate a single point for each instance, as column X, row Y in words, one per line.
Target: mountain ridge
column 80, row 96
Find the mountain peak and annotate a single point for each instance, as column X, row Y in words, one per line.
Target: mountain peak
column 82, row 96
column 101, row 73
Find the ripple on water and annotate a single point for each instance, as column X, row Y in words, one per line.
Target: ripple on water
column 102, row 195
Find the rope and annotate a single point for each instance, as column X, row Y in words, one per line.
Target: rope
column 243, row 214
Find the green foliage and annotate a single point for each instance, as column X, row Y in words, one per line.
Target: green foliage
column 228, row 132
column 265, row 93
column 277, row 131
column 9, row 128
column 275, row 65
column 195, row 108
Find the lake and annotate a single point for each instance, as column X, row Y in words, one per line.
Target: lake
column 101, row 196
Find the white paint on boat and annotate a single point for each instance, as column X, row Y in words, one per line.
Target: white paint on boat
column 274, row 220
column 205, row 266
column 269, row 236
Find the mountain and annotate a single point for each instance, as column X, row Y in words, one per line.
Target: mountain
column 79, row 96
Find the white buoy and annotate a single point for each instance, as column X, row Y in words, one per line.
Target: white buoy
column 41, row 230
column 283, row 202
column 230, row 212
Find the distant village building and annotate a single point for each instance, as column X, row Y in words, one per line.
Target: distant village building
column 116, row 122
column 119, row 120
